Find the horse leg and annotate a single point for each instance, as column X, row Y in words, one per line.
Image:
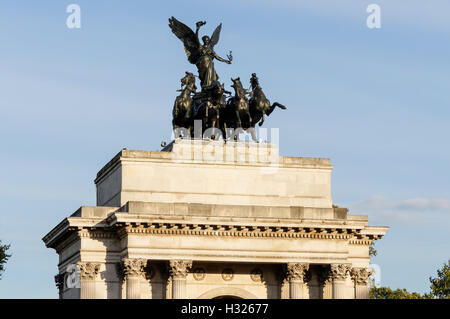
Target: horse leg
column 224, row 132
column 238, row 119
column 249, row 117
column 188, row 113
column 270, row 110
column 262, row 120
column 281, row 106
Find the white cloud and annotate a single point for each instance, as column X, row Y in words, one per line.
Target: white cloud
column 413, row 210
column 424, row 204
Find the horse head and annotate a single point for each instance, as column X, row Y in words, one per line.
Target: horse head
column 238, row 88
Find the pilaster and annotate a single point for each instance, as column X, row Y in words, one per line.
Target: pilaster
column 296, row 275
column 340, row 273
column 178, row 271
column 360, row 278
column 88, row 276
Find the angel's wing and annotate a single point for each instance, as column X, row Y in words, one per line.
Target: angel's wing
column 216, row 35
column 188, row 37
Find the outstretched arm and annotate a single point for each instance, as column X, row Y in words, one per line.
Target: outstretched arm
column 221, row 59
column 199, row 25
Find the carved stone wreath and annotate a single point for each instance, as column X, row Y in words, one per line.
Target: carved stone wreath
column 199, row 274
column 227, row 274
column 256, row 275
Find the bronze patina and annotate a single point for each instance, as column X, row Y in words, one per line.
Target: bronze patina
column 210, row 105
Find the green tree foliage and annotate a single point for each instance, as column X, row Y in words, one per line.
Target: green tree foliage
column 3, row 257
column 440, row 286
column 372, row 251
column 388, row 293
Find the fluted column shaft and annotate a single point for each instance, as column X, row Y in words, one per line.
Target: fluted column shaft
column 360, row 277
column 178, row 271
column 133, row 270
column 88, row 276
column 295, row 273
column 340, row 273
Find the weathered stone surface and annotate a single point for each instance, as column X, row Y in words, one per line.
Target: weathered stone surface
column 211, row 228
column 235, row 173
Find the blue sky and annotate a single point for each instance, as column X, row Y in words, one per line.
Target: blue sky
column 374, row 101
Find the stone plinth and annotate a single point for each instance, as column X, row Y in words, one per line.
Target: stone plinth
column 207, row 219
column 232, row 173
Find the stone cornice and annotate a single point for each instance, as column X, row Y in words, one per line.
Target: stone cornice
column 56, row 232
column 365, row 242
column 117, row 225
column 69, row 225
column 232, row 231
column 329, row 224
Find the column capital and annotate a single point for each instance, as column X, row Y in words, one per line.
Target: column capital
column 88, row 270
column 59, row 281
column 296, row 271
column 340, row 271
column 133, row 267
column 360, row 275
column 179, row 268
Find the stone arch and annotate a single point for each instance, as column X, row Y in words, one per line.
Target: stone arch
column 227, row 291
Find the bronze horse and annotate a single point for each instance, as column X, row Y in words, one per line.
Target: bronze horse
column 237, row 112
column 259, row 104
column 182, row 108
column 208, row 105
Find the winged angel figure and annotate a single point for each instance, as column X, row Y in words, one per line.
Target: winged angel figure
column 201, row 55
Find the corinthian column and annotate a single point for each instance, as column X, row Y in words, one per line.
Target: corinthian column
column 360, row 277
column 178, row 271
column 133, row 270
column 339, row 273
column 296, row 274
column 88, row 275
